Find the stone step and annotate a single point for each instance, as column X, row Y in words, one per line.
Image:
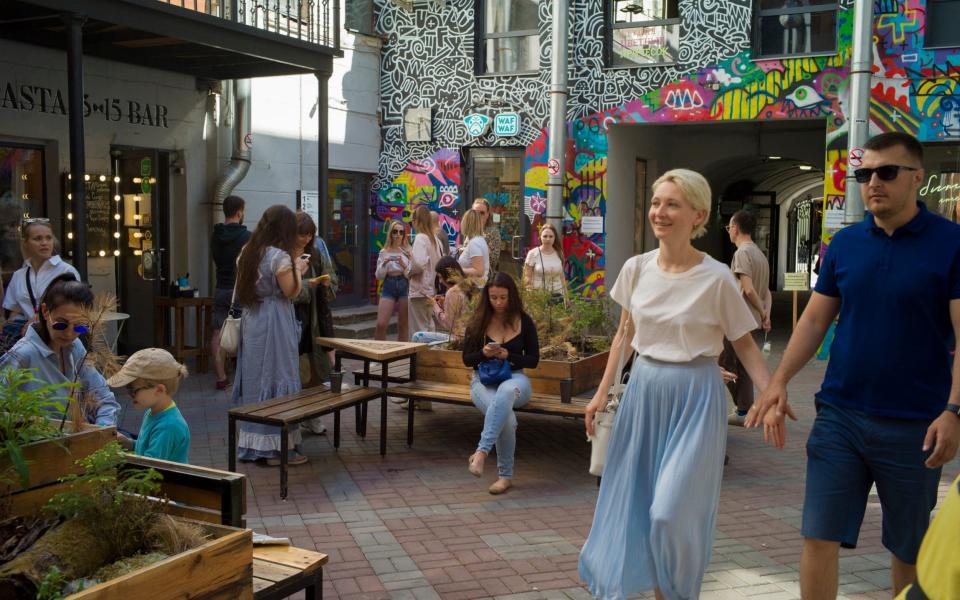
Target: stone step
column 363, row 330
column 354, row 314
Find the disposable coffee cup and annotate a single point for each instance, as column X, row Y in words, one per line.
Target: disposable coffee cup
column 336, row 381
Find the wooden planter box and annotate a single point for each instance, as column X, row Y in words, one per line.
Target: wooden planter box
column 584, row 374
column 49, row 460
column 221, row 569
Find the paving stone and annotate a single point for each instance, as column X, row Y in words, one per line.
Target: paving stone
column 415, row 525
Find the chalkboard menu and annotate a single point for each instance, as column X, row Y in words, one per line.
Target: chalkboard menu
column 99, row 214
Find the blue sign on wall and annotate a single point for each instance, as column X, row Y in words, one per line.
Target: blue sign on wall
column 506, row 125
column 476, row 124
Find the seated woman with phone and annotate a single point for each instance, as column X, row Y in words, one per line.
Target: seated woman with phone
column 500, row 342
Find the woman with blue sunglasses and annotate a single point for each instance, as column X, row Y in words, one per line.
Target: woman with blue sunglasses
column 52, row 347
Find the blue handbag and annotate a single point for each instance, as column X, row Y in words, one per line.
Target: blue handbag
column 494, row 371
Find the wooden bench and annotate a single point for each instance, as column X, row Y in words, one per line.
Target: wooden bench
column 453, row 393
column 217, row 496
column 287, row 411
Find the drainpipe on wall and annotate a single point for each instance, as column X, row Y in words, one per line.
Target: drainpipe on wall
column 858, row 119
column 558, row 117
column 239, row 164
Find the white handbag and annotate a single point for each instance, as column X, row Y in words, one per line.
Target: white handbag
column 230, row 330
column 603, row 420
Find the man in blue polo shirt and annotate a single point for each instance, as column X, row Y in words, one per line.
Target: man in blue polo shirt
column 888, row 412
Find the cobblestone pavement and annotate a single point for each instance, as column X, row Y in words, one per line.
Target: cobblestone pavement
column 417, row 525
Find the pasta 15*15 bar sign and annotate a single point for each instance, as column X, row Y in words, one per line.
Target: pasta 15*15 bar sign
column 37, row 98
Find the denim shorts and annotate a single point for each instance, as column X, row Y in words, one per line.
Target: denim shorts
column 847, row 453
column 221, row 306
column 395, row 287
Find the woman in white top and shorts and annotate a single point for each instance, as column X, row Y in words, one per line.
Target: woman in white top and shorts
column 654, row 522
column 393, row 264
column 543, row 267
column 474, row 252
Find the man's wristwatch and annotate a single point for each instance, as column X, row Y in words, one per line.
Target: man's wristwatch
column 954, row 408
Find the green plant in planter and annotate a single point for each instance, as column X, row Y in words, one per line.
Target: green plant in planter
column 592, row 325
column 26, row 405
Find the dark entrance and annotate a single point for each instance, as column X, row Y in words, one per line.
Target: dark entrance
column 496, row 174
column 346, row 234
column 143, row 271
column 764, row 206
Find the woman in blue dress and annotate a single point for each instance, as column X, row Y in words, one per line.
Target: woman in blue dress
column 654, row 522
column 268, row 279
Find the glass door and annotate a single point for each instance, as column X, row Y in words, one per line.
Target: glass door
column 345, row 219
column 496, row 175
column 143, row 263
column 22, row 194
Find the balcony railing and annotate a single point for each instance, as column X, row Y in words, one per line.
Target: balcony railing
column 313, row 21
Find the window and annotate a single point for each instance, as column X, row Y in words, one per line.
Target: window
column 21, row 193
column 642, row 32
column 358, row 16
column 510, row 40
column 794, row 27
column 941, row 27
column 941, row 186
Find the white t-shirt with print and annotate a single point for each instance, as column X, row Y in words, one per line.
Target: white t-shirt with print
column 678, row 317
column 476, row 247
column 550, row 263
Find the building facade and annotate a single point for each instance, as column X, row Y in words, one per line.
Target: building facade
column 752, row 94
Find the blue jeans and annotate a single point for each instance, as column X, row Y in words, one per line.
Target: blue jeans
column 499, row 421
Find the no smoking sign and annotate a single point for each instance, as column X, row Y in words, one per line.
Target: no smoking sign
column 856, row 157
column 553, row 166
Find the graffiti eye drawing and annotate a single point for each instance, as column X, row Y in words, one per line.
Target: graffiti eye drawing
column 805, row 101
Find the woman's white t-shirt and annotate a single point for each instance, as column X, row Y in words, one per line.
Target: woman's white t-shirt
column 476, row 247
column 549, row 263
column 678, row 317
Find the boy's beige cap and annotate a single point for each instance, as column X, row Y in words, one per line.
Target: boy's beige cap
column 155, row 364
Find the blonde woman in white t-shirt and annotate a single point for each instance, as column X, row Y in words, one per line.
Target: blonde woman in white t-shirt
column 654, row 521
column 543, row 267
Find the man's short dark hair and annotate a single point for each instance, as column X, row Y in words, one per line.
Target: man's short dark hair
column 232, row 205
column 896, row 138
column 745, row 221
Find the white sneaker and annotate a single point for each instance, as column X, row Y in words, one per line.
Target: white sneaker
column 315, row 426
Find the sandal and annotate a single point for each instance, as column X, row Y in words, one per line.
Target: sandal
column 500, row 486
column 295, row 459
column 475, row 463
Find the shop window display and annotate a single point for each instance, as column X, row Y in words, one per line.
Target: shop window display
column 21, row 193
column 941, row 186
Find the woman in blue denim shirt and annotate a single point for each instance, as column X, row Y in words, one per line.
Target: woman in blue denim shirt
column 53, row 349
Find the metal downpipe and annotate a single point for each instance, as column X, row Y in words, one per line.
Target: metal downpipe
column 558, row 117
column 239, row 164
column 858, row 119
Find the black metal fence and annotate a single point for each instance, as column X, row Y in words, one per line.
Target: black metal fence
column 313, row 21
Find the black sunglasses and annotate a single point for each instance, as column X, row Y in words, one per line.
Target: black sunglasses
column 77, row 328
column 885, row 173
column 133, row 391
column 396, row 232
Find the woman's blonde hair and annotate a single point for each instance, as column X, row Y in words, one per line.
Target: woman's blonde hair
column 424, row 224
column 696, row 191
column 391, row 223
column 471, row 225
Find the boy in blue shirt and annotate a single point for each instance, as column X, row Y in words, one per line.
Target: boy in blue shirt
column 152, row 377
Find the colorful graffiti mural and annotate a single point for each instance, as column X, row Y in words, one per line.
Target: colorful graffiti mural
column 915, row 90
column 434, row 182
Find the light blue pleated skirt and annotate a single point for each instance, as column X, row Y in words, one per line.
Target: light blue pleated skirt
column 653, row 527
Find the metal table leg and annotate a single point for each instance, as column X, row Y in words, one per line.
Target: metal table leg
column 284, row 443
column 383, row 407
column 314, row 591
column 336, row 429
column 232, row 443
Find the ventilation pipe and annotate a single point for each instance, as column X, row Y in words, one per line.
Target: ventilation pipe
column 558, row 118
column 858, row 119
column 239, row 164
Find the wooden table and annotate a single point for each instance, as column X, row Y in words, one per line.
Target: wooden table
column 203, row 327
column 281, row 571
column 378, row 351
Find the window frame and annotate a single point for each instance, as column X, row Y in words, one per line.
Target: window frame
column 611, row 25
column 940, row 45
column 760, row 13
column 481, row 36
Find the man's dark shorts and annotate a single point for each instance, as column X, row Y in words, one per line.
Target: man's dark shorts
column 221, row 306
column 847, row 452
